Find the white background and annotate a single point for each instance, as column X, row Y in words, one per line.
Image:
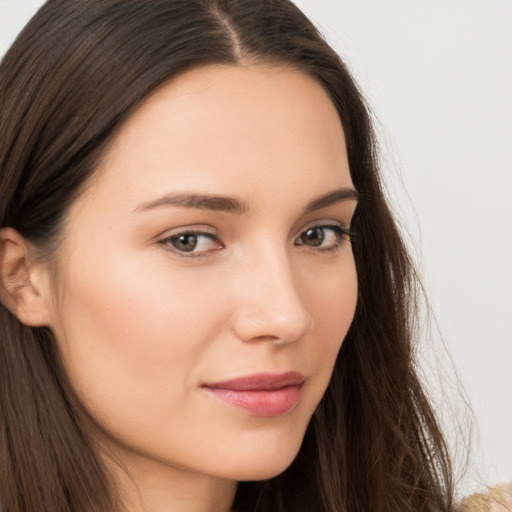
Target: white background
column 438, row 74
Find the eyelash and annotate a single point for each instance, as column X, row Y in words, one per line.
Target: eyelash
column 343, row 235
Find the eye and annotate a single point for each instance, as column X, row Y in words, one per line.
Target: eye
column 324, row 237
column 195, row 243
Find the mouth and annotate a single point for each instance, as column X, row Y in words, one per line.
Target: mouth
column 265, row 395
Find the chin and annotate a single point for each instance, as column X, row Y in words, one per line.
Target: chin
column 260, row 474
column 265, row 463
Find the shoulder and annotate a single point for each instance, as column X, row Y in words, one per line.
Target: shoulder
column 496, row 499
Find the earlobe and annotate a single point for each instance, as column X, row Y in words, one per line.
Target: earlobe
column 24, row 286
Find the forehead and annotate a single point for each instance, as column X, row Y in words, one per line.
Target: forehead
column 230, row 130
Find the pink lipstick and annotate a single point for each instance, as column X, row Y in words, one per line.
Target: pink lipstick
column 266, row 395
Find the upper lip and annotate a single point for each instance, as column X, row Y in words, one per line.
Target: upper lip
column 260, row 382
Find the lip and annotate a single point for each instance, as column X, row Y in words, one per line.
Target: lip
column 266, row 395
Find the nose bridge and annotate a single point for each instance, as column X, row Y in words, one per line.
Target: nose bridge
column 270, row 305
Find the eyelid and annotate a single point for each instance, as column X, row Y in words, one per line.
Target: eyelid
column 203, row 230
column 199, row 229
column 325, row 223
column 165, row 238
column 342, row 233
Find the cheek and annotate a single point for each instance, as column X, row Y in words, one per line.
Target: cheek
column 331, row 300
column 333, row 293
column 129, row 330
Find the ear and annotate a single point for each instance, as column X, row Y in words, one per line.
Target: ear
column 24, row 282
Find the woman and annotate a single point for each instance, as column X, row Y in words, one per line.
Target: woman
column 206, row 302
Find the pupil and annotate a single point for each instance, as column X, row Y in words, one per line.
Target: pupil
column 314, row 236
column 185, row 243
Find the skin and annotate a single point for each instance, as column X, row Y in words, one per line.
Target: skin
column 142, row 326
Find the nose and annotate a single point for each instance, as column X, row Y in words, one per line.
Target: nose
column 268, row 303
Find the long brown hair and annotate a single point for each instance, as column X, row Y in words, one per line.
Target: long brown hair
column 72, row 77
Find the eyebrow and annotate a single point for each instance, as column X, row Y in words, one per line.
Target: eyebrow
column 201, row 202
column 232, row 205
column 336, row 196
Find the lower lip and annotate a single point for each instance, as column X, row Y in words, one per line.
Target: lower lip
column 263, row 403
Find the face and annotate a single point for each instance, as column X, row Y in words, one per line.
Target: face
column 206, row 280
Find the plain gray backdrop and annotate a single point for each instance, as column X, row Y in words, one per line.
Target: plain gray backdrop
column 438, row 75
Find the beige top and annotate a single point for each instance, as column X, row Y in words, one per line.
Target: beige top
column 497, row 499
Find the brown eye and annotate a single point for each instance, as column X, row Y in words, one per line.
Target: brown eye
column 327, row 237
column 192, row 243
column 313, row 237
column 186, row 242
